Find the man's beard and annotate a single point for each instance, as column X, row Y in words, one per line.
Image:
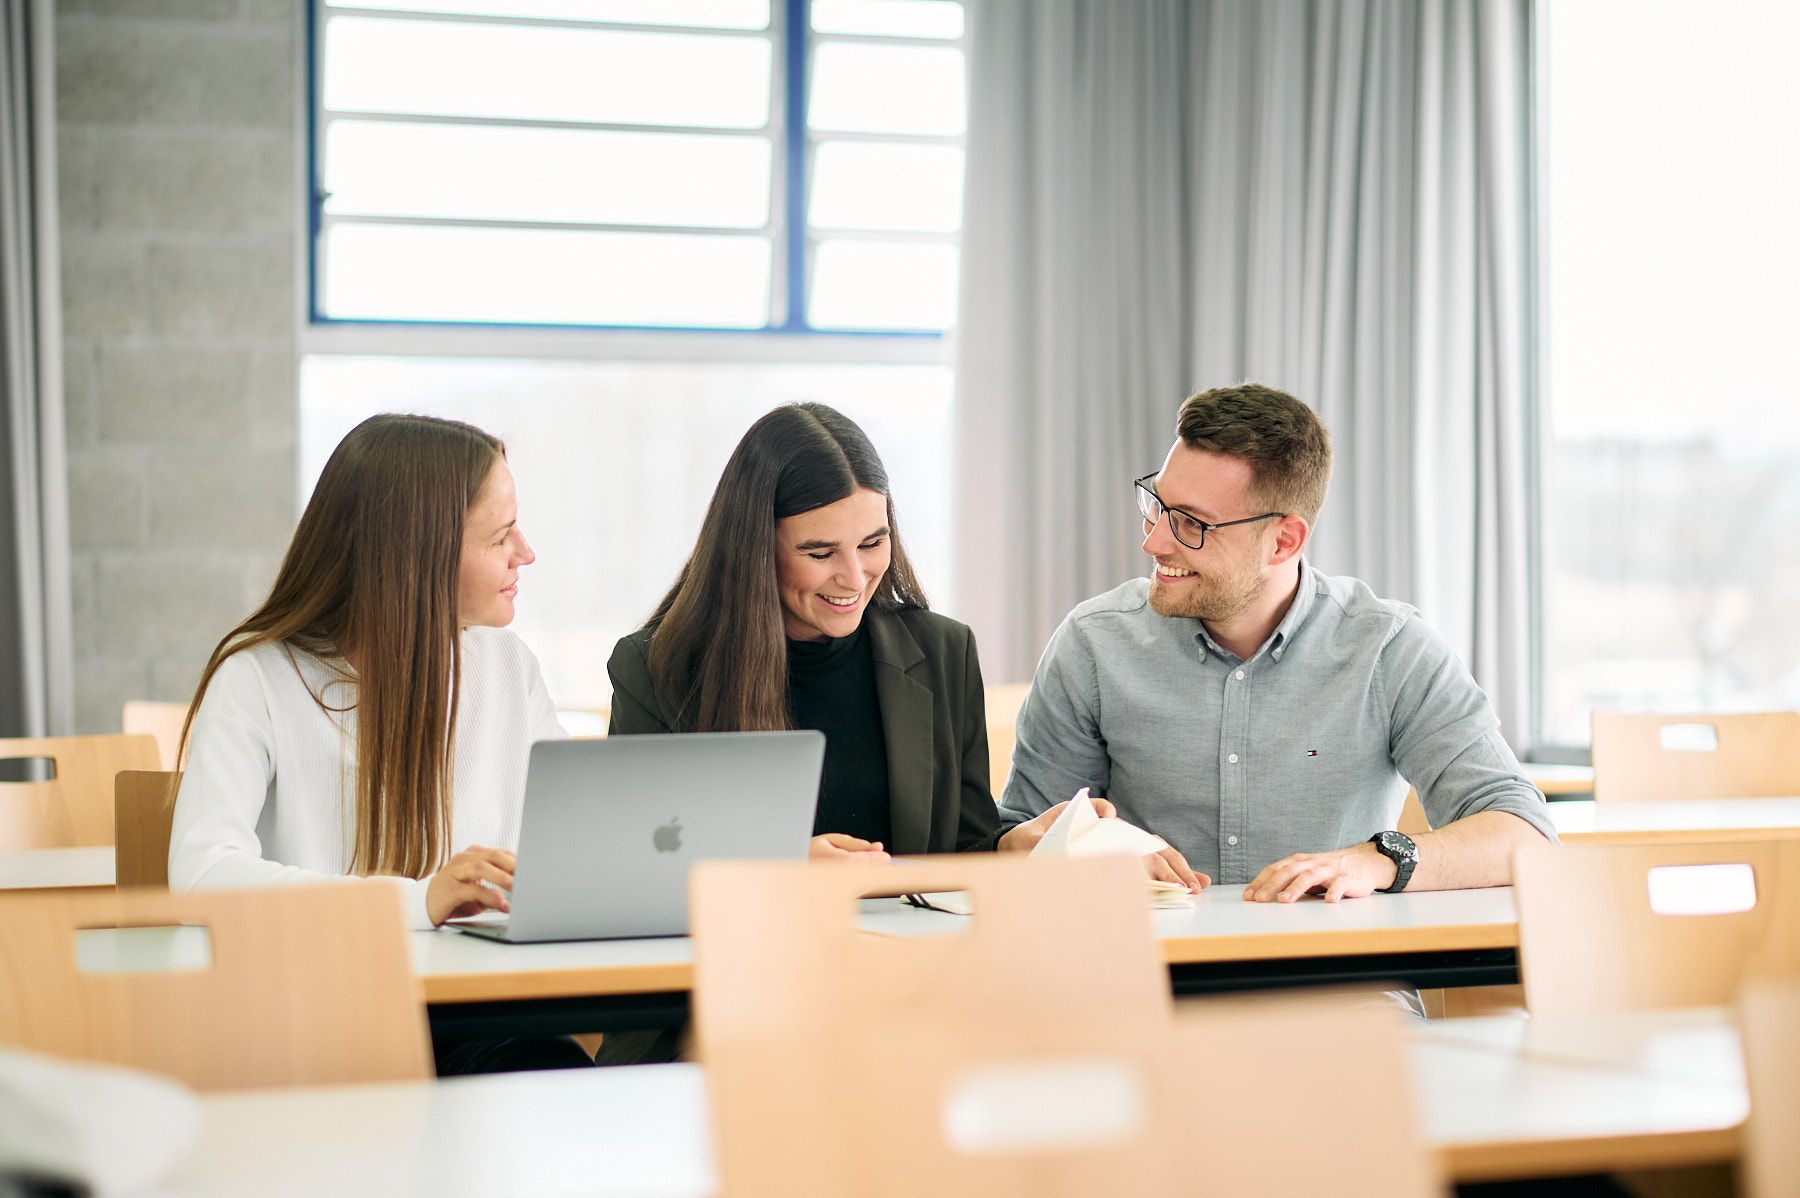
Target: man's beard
column 1210, row 597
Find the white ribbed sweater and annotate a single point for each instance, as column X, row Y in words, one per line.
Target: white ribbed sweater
column 270, row 788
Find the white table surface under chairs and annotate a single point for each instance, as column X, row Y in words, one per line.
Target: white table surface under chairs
column 1498, row 1098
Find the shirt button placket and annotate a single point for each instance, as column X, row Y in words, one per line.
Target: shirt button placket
column 1233, row 789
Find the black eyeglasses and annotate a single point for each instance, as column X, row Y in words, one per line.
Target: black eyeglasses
column 1189, row 529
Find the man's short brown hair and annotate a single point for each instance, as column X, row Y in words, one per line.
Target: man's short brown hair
column 1287, row 446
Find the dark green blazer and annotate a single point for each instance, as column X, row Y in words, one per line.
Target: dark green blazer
column 928, row 684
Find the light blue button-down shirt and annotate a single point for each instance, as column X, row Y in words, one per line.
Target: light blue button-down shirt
column 1308, row 746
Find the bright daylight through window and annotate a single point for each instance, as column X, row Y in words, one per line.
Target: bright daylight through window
column 630, row 163
column 591, row 162
column 1672, row 482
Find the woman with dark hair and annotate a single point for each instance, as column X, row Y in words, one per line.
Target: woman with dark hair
column 798, row 609
column 373, row 717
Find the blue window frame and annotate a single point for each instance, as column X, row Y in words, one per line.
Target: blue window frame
column 556, row 163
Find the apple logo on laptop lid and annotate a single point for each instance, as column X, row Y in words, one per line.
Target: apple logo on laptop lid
column 668, row 837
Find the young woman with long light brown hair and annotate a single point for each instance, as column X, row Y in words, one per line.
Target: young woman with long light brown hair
column 373, row 717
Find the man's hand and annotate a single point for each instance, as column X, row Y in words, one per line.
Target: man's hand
column 1355, row 872
column 1170, row 866
column 1022, row 838
column 1165, row 866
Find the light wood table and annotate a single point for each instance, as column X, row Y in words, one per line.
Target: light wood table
column 1559, row 779
column 479, row 987
column 1223, row 927
column 57, row 869
column 1220, row 927
column 1676, row 819
column 458, row 968
column 1498, row 1099
column 1514, row 1097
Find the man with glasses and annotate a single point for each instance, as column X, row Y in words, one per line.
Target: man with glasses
column 1262, row 718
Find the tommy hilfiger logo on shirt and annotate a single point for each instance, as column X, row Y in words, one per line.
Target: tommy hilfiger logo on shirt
column 1312, row 752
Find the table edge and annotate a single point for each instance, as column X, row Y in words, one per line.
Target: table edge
column 1338, row 942
column 1513, row 1159
column 1677, row 835
column 583, row 982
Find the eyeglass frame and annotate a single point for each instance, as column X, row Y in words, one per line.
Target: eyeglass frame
column 1140, row 485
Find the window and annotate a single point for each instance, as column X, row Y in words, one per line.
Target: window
column 702, row 164
column 1672, row 501
column 616, row 461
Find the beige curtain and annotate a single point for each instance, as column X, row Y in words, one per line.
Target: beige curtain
column 1332, row 198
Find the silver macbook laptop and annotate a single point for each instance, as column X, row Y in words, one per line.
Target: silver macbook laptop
column 609, row 827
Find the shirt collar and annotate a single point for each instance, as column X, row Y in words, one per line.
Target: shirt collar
column 1278, row 640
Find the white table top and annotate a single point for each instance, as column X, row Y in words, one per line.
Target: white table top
column 1494, row 1102
column 1511, row 1097
column 42, row 869
column 1722, row 819
column 1558, row 779
column 640, row 1131
column 1221, row 927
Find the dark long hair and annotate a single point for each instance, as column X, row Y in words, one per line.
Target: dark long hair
column 372, row 571
column 718, row 653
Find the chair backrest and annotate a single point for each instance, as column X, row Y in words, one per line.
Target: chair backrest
column 1370, row 1148
column 1591, row 941
column 1031, row 1051
column 1769, row 1018
column 143, row 810
column 1413, row 821
column 161, row 720
column 75, row 807
column 302, row 985
column 1003, row 703
column 1645, row 756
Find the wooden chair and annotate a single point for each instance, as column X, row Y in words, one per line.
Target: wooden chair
column 143, row 809
column 161, row 720
column 74, row 808
column 1031, row 1051
column 1757, row 756
column 1769, row 1018
column 1413, row 821
column 1003, row 703
column 1459, row 1002
column 307, row 985
column 1590, row 943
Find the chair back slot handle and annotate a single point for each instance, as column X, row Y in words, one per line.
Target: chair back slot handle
column 164, row 948
column 1722, row 889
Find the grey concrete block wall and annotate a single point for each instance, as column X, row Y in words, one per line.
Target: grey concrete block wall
column 180, row 205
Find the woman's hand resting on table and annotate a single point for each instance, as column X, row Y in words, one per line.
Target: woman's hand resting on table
column 458, row 889
column 837, row 846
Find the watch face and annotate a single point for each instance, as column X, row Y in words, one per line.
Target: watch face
column 1403, row 852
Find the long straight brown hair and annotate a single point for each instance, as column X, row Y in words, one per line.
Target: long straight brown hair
column 718, row 652
column 372, row 571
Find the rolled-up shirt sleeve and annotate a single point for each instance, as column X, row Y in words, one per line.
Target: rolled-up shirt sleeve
column 1444, row 737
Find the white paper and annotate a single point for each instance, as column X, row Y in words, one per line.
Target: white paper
column 1081, row 831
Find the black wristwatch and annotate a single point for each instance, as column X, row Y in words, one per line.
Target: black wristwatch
column 1399, row 848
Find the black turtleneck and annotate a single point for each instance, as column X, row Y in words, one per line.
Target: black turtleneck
column 831, row 687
